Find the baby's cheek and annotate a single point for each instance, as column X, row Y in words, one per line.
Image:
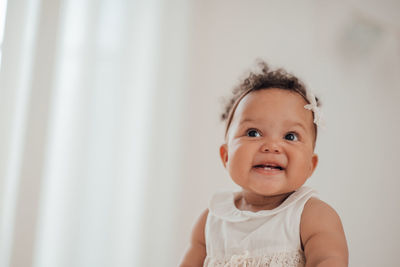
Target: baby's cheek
column 239, row 158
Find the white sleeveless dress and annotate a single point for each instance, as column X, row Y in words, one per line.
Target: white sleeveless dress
column 263, row 238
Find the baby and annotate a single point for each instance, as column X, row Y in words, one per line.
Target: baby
column 274, row 220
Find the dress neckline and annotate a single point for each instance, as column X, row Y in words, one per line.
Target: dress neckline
column 222, row 205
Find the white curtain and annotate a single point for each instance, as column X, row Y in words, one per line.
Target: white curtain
column 91, row 94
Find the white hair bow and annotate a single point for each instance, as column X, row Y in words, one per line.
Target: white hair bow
column 318, row 116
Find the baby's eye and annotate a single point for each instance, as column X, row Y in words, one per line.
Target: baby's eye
column 253, row 133
column 291, row 137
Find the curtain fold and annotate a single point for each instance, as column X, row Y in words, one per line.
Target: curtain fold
column 16, row 79
column 93, row 131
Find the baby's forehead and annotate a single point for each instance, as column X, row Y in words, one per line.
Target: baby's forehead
column 274, row 105
column 264, row 102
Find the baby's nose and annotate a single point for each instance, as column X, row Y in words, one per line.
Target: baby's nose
column 271, row 148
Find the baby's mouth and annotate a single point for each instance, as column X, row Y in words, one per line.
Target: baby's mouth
column 269, row 167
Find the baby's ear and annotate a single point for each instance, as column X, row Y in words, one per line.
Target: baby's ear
column 314, row 163
column 223, row 153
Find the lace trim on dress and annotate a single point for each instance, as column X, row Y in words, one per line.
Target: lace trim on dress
column 278, row 259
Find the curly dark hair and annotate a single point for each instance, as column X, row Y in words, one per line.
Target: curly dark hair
column 265, row 79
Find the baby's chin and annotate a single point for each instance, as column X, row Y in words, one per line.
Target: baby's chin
column 271, row 191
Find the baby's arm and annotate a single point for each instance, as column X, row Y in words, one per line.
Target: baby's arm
column 322, row 235
column 196, row 252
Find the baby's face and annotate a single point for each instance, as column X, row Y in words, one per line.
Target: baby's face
column 269, row 145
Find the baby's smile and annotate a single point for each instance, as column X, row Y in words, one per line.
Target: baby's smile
column 268, row 171
column 269, row 168
column 269, row 165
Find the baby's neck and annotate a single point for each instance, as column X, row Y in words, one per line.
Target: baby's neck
column 254, row 202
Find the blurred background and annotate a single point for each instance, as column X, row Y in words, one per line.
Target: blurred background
column 109, row 120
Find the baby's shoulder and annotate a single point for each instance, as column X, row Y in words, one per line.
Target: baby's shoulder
column 319, row 217
column 316, row 207
column 196, row 253
column 199, row 228
column 316, row 210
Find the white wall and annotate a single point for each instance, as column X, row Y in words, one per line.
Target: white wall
column 345, row 52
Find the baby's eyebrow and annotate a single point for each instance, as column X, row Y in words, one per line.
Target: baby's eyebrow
column 247, row 120
column 295, row 123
